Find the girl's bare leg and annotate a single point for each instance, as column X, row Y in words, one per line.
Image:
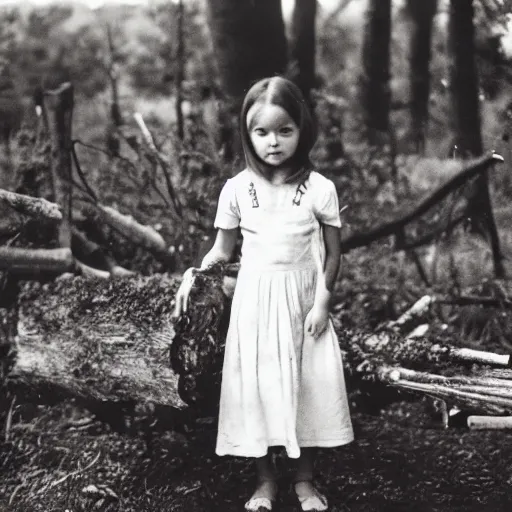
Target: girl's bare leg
column 267, row 484
column 309, row 497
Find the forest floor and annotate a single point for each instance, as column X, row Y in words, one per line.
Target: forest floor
column 59, row 459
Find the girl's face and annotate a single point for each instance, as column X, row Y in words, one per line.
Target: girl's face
column 273, row 133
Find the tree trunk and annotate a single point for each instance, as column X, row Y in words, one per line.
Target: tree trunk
column 180, row 72
column 464, row 78
column 302, row 62
column 375, row 89
column 113, row 341
column 422, row 14
column 249, row 41
column 468, row 137
column 250, row 44
column 60, row 105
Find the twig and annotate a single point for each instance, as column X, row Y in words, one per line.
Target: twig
column 8, row 421
column 163, row 163
column 100, row 150
column 421, row 271
column 418, row 310
column 88, row 271
column 145, row 131
column 81, row 173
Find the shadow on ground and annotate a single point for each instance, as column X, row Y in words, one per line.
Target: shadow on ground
column 401, row 461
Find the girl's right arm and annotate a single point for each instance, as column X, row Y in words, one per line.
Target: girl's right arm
column 222, row 250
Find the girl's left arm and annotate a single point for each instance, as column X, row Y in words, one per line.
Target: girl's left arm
column 318, row 317
column 332, row 242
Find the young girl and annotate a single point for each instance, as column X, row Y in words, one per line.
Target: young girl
column 282, row 380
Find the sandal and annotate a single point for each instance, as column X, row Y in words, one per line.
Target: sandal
column 261, row 504
column 317, row 502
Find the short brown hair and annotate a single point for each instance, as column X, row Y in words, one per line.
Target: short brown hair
column 285, row 94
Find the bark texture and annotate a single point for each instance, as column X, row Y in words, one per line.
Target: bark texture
column 422, row 15
column 468, row 137
column 249, row 41
column 375, row 89
column 60, row 103
column 303, row 47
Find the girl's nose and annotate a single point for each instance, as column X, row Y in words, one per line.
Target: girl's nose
column 273, row 139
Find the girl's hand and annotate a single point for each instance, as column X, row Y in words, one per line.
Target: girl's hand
column 183, row 293
column 317, row 320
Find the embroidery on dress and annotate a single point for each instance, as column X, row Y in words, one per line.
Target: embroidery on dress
column 254, row 197
column 301, row 190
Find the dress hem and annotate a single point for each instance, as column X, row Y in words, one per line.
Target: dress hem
column 330, row 443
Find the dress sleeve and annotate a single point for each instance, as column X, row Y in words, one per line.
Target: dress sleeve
column 228, row 212
column 326, row 207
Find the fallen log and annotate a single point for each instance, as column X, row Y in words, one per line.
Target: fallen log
column 97, row 340
column 112, row 344
column 109, row 343
column 489, row 422
column 35, row 261
column 127, row 226
column 37, row 207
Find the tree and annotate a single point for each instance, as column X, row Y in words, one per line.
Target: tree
column 375, row 90
column 249, row 41
column 464, row 78
column 465, row 100
column 302, row 47
column 421, row 14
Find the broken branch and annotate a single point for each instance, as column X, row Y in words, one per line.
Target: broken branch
column 34, row 206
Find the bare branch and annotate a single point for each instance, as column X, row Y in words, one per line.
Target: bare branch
column 474, row 168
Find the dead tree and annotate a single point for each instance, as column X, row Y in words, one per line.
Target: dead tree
column 60, row 103
column 116, row 118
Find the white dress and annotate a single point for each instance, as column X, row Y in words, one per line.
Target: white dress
column 280, row 386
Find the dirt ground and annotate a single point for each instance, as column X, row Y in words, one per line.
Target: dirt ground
column 60, row 459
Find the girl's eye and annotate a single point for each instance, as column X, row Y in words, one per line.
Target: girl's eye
column 286, row 130
column 260, row 131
